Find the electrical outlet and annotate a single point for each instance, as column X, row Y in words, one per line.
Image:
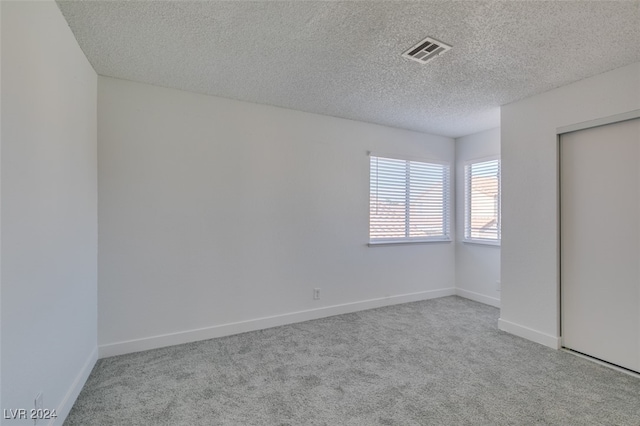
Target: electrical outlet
column 498, row 285
column 316, row 293
column 38, row 405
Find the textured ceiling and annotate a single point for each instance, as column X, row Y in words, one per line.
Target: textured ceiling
column 344, row 58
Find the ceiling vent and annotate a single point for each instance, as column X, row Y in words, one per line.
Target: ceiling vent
column 426, row 50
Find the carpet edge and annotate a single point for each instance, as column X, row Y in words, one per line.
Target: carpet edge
column 187, row 336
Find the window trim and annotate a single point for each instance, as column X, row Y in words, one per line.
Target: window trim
column 467, row 195
column 447, row 214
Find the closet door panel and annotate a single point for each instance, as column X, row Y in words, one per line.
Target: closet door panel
column 600, row 242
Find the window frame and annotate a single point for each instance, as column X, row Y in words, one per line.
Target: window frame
column 447, row 214
column 466, row 238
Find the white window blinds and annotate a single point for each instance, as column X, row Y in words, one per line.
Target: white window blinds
column 482, row 206
column 408, row 201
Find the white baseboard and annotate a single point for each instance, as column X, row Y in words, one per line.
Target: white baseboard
column 70, row 398
column 471, row 295
column 553, row 342
column 137, row 345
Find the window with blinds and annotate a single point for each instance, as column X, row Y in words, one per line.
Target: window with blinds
column 408, row 201
column 482, row 202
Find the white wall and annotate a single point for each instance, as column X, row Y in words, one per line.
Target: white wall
column 218, row 216
column 477, row 265
column 1, row 405
column 529, row 271
column 49, row 210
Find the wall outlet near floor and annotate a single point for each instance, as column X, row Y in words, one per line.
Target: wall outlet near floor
column 316, row 293
column 498, row 285
column 37, row 404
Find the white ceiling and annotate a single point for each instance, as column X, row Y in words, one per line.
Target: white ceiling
column 344, row 58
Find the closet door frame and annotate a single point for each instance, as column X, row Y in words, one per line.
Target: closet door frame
column 618, row 118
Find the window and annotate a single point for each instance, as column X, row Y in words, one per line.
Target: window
column 482, row 202
column 408, row 201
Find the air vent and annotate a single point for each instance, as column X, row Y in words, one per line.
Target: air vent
column 426, row 50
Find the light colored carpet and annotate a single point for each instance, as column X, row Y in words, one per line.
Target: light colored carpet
column 437, row 362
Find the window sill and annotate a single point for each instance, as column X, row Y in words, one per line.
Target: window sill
column 402, row 243
column 486, row 243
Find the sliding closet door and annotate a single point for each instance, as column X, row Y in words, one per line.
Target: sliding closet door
column 600, row 242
